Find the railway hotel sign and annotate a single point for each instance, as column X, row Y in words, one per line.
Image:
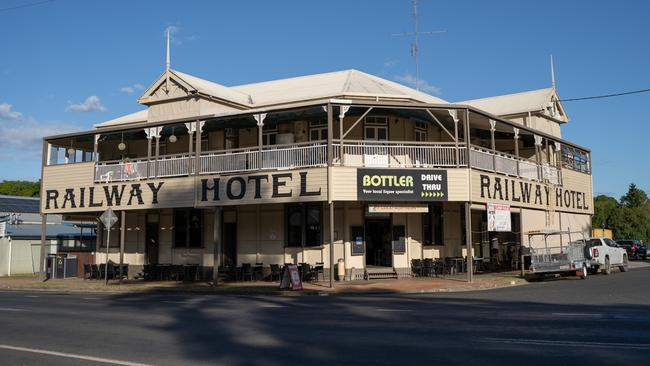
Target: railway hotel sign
column 531, row 193
column 401, row 185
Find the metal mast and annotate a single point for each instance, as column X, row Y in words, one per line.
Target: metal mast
column 416, row 41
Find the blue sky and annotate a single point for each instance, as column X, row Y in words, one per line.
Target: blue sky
column 66, row 64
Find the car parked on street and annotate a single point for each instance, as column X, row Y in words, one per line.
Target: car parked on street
column 603, row 254
column 635, row 248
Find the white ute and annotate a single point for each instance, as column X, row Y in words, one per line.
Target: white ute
column 603, row 253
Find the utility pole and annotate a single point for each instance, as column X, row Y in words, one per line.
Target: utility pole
column 416, row 41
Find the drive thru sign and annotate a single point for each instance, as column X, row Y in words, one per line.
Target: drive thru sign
column 108, row 218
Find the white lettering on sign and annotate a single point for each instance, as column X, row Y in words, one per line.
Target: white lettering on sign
column 432, row 177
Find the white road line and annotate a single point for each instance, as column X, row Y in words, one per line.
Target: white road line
column 578, row 314
column 11, row 309
column 542, row 342
column 393, row 310
column 32, row 296
column 272, row 306
column 71, row 355
column 91, row 298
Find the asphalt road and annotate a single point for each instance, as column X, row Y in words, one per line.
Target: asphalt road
column 604, row 320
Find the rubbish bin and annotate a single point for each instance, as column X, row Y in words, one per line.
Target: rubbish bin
column 341, row 269
column 61, row 266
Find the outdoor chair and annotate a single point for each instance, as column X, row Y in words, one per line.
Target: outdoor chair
column 258, row 271
column 94, row 271
column 177, row 273
column 275, row 272
column 102, row 271
column 439, row 268
column 88, row 273
column 416, row 267
column 116, row 271
column 319, row 271
column 246, row 272
column 306, row 273
column 428, row 268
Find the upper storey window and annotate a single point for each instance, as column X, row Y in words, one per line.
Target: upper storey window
column 376, row 128
column 575, row 159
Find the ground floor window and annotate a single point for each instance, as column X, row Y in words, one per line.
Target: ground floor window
column 188, row 228
column 432, row 226
column 304, row 225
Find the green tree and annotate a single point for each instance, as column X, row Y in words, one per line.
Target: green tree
column 604, row 210
column 634, row 197
column 20, row 188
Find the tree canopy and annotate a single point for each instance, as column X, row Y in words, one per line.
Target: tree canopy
column 20, row 188
column 629, row 218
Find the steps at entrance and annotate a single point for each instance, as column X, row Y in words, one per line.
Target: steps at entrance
column 378, row 273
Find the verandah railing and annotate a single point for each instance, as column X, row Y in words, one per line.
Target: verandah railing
column 499, row 162
column 389, row 154
column 395, row 154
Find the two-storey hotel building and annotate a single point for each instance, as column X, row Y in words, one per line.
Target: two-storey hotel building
column 313, row 169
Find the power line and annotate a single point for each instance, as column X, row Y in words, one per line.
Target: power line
column 25, row 5
column 607, row 95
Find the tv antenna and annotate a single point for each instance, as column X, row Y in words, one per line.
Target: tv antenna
column 416, row 39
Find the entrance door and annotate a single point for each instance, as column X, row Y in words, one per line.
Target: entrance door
column 378, row 243
column 151, row 248
column 229, row 243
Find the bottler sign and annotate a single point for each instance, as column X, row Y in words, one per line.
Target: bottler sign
column 401, row 185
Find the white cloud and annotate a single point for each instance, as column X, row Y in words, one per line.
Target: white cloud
column 130, row 89
column 390, row 63
column 7, row 113
column 409, row 80
column 24, row 140
column 91, row 104
column 173, row 30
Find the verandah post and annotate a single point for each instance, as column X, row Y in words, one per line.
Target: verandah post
column 216, row 250
column 330, row 123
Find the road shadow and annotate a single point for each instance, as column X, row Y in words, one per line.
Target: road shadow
column 474, row 328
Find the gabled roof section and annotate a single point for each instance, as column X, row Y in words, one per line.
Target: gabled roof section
column 346, row 83
column 136, row 117
column 174, row 84
column 545, row 101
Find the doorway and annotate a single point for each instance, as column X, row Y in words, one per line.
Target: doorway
column 151, row 249
column 378, row 243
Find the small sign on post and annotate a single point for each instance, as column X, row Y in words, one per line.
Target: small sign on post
column 498, row 217
column 108, row 218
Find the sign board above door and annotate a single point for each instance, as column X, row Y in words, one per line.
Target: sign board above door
column 397, row 208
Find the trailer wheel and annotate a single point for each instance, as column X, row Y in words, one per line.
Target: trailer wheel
column 608, row 268
column 623, row 268
column 584, row 272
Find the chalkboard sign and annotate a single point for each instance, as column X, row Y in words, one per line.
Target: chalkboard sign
column 357, row 240
column 399, row 239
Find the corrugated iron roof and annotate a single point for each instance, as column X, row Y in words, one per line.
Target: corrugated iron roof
column 16, row 204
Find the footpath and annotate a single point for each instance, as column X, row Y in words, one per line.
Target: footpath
column 411, row 285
